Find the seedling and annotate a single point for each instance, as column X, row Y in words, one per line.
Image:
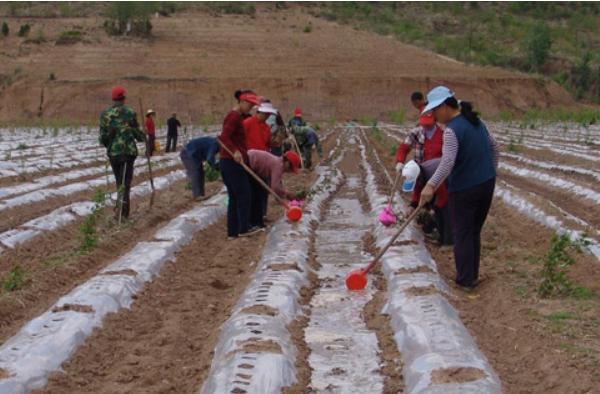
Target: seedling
column 557, row 260
column 89, row 236
column 15, row 279
column 212, row 174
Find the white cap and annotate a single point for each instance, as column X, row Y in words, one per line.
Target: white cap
column 436, row 97
column 410, row 173
column 267, row 108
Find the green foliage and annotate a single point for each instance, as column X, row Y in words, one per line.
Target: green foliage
column 24, row 30
column 69, row 37
column 88, row 233
column 15, row 278
column 537, row 44
column 22, row 146
column 585, row 116
column 5, row 30
column 234, row 7
column 367, row 121
column 557, row 260
column 211, row 174
column 308, row 28
column 393, row 150
column 506, row 116
column 130, row 18
column 512, row 146
column 39, row 38
column 377, row 134
column 398, row 116
column 188, row 186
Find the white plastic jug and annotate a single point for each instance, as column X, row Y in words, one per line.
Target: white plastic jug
column 410, row 173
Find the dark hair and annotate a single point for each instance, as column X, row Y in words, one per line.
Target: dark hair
column 238, row 93
column 279, row 120
column 416, row 96
column 466, row 110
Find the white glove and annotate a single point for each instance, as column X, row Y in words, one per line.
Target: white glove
column 399, row 167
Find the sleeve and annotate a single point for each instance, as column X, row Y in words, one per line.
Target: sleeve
column 495, row 149
column 135, row 128
column 276, row 183
column 104, row 132
column 406, row 146
column 212, row 151
column 449, row 152
column 229, row 127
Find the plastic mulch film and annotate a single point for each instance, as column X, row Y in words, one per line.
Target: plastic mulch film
column 255, row 352
column 439, row 354
column 44, row 343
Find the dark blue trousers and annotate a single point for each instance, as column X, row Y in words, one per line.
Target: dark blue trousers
column 238, row 189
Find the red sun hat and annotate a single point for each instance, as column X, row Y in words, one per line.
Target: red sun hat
column 298, row 112
column 118, row 93
column 294, row 160
column 427, row 119
column 250, row 97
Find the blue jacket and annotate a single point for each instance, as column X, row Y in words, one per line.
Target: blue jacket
column 474, row 161
column 202, row 149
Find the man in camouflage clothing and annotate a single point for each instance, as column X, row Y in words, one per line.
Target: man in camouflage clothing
column 119, row 131
column 306, row 137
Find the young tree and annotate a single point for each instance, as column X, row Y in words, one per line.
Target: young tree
column 5, row 29
column 537, row 44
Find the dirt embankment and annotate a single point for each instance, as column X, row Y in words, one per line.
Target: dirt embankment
column 195, row 61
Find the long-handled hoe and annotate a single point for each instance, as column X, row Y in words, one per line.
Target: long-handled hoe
column 147, row 154
column 121, row 193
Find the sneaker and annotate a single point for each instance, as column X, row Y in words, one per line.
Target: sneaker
column 232, row 237
column 200, row 198
column 253, row 231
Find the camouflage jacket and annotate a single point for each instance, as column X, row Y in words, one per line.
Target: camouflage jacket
column 119, row 131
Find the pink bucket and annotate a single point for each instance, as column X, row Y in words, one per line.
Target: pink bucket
column 387, row 217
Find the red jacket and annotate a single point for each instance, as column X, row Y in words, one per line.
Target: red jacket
column 233, row 136
column 150, row 129
column 431, row 149
column 258, row 134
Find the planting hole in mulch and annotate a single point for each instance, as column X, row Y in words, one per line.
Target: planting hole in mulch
column 246, row 366
column 127, row 271
column 4, row 373
column 456, row 375
column 260, row 310
column 284, row 267
column 421, row 291
column 421, row 269
column 219, row 285
column 406, row 242
column 243, row 376
column 260, row 346
column 74, row 308
column 238, row 390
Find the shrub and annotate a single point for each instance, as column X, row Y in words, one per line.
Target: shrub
column 554, row 277
column 89, row 236
column 68, row 37
column 24, row 30
column 5, row 30
column 211, row 174
column 130, row 18
column 307, row 28
column 537, row 44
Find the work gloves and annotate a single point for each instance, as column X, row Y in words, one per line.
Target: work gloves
column 399, row 167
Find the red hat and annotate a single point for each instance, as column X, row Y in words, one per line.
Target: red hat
column 250, row 97
column 294, row 160
column 427, row 119
column 118, row 93
column 298, row 112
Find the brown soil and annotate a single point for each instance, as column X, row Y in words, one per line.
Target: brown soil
column 456, row 375
column 165, row 342
column 535, row 345
column 14, row 217
column 14, row 180
column 260, row 346
column 261, row 310
column 422, row 291
column 54, row 266
column 129, row 272
column 576, row 205
column 285, row 267
column 391, row 359
column 4, row 373
column 416, row 270
column 211, row 57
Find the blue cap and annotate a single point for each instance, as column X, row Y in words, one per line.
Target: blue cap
column 436, row 97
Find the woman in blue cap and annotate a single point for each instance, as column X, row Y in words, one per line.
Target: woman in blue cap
column 469, row 162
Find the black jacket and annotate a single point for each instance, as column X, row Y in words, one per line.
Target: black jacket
column 172, row 125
